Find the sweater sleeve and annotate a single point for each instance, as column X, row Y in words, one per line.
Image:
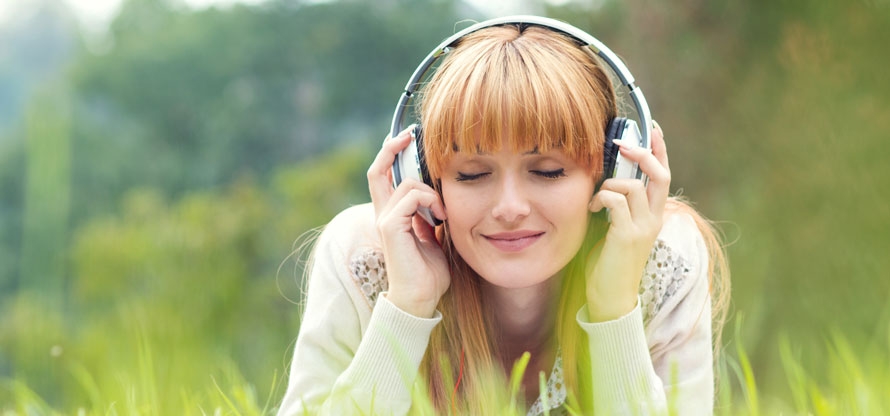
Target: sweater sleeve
column 338, row 367
column 659, row 356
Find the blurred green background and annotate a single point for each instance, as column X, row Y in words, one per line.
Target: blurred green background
column 155, row 176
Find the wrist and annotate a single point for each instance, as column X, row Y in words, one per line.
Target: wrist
column 603, row 309
column 418, row 308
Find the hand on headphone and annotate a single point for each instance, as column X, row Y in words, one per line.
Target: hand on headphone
column 416, row 268
column 616, row 264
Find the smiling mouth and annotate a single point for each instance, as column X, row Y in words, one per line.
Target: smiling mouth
column 513, row 242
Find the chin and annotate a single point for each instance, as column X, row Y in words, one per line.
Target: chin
column 515, row 276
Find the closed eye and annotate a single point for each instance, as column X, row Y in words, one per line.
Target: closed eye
column 465, row 177
column 550, row 174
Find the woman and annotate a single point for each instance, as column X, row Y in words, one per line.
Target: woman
column 616, row 315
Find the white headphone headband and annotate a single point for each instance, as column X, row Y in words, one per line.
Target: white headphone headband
column 600, row 49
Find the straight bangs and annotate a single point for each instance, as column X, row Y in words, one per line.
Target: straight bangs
column 520, row 87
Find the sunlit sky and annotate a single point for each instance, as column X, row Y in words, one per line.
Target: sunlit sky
column 95, row 15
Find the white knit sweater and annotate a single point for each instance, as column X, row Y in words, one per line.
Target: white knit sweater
column 357, row 353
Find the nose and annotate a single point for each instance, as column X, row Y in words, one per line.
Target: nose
column 511, row 203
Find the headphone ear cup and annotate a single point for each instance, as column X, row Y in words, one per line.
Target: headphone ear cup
column 412, row 163
column 409, row 163
column 421, row 156
column 610, row 152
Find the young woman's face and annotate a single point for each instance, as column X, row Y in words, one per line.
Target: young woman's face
column 516, row 218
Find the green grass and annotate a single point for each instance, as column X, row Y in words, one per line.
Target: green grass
column 855, row 381
column 846, row 381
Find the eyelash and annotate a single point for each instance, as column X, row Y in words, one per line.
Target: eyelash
column 464, row 177
column 549, row 174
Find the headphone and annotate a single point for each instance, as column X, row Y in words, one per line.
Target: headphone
column 410, row 163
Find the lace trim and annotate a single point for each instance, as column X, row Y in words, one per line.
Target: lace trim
column 556, row 390
column 369, row 273
column 662, row 278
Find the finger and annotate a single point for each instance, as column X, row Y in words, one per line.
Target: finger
column 660, row 187
column 659, row 174
column 634, row 192
column 615, row 202
column 659, row 149
column 380, row 171
column 408, row 197
column 649, row 164
column 411, row 185
column 401, row 217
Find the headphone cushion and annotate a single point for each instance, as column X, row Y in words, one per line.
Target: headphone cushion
column 421, row 155
column 610, row 154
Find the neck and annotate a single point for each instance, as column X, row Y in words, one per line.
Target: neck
column 524, row 318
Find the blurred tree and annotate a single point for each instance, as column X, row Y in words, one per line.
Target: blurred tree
column 191, row 100
column 36, row 43
column 190, row 282
column 45, row 228
column 12, row 164
column 810, row 113
column 47, row 196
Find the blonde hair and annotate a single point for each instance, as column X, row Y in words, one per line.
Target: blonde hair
column 521, row 87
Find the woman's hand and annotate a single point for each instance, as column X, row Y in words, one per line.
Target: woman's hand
column 615, row 266
column 416, row 268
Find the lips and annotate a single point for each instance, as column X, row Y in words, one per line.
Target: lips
column 513, row 241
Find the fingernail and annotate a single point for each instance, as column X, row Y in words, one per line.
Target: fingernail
column 655, row 125
column 627, row 144
column 408, row 131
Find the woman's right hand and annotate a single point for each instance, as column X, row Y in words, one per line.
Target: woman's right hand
column 416, row 268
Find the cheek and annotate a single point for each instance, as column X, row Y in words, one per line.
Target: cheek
column 573, row 213
column 464, row 209
column 580, row 204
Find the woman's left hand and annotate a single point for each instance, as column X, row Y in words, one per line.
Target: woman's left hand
column 615, row 266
